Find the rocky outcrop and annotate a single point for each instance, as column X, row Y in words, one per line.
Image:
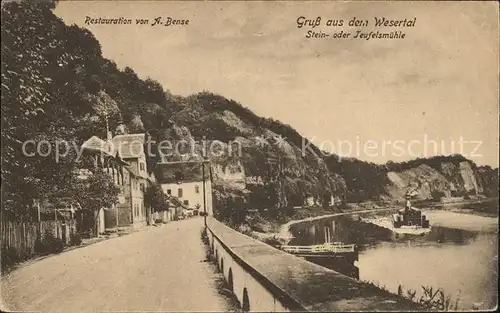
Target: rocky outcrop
column 469, row 178
column 272, row 169
column 488, row 178
column 422, row 180
column 450, row 178
column 263, row 150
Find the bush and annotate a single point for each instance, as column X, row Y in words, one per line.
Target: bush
column 49, row 244
column 75, row 240
column 40, row 247
column 9, row 258
column 437, row 195
column 55, row 245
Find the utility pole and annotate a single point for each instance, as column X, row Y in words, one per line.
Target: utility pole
column 55, row 218
column 204, row 192
column 39, row 218
column 117, row 217
column 116, row 206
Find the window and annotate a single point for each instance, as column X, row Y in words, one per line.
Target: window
column 197, row 189
column 141, row 165
column 169, row 191
column 186, row 202
column 179, row 193
column 142, row 187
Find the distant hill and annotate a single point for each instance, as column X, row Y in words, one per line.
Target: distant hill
column 57, row 85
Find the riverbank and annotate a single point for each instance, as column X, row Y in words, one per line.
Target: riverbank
column 274, row 228
column 484, row 208
column 458, row 231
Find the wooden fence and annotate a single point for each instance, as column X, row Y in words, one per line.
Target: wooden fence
column 21, row 236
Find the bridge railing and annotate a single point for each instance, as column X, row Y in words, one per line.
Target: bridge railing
column 265, row 279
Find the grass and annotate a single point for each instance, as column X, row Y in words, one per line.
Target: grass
column 431, row 299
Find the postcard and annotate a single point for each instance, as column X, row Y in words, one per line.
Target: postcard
column 238, row 156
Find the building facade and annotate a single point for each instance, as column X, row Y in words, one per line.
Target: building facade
column 187, row 184
column 123, row 158
column 130, row 148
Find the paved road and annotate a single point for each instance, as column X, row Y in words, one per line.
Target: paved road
column 158, row 269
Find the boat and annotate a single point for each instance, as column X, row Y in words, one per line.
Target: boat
column 409, row 217
column 328, row 249
column 325, row 249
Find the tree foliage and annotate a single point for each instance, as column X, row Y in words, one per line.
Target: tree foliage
column 96, row 192
column 155, row 198
column 56, row 86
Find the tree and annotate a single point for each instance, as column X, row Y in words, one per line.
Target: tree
column 437, row 195
column 155, row 198
column 45, row 73
column 94, row 193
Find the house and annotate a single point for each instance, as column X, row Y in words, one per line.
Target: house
column 188, row 185
column 102, row 155
column 130, row 148
column 233, row 173
column 124, row 160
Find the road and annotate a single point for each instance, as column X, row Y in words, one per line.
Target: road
column 157, row 269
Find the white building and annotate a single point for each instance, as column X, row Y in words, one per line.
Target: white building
column 233, row 173
column 184, row 181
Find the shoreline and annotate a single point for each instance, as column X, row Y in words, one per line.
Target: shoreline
column 281, row 233
column 285, row 234
column 433, row 204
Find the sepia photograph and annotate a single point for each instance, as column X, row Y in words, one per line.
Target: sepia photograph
column 249, row 156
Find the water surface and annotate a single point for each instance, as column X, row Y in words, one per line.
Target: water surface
column 459, row 255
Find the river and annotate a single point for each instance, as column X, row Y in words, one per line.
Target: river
column 459, row 255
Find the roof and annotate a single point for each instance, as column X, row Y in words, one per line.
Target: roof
column 129, row 145
column 106, row 149
column 173, row 172
column 98, row 145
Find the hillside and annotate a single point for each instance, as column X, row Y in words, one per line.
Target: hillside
column 57, row 85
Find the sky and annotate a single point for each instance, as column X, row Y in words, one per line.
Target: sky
column 434, row 92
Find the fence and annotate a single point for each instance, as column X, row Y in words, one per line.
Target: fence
column 21, row 236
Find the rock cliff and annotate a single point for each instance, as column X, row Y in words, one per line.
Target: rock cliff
column 440, row 177
column 80, row 94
